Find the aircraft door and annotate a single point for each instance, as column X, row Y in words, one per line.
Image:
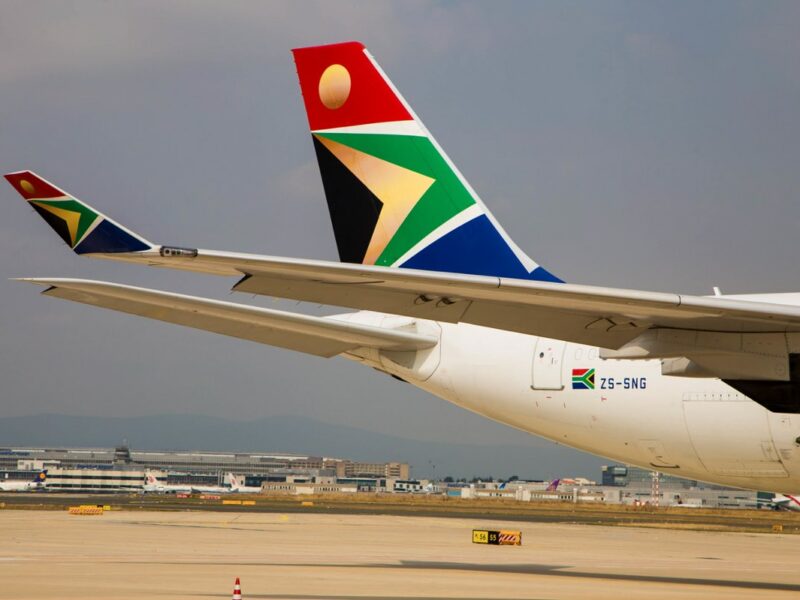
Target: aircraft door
column 548, row 364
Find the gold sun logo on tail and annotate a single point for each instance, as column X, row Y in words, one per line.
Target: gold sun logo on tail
column 334, row 86
column 27, row 186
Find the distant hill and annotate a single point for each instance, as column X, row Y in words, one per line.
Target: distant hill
column 298, row 435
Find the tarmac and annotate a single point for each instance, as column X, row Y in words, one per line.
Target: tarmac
column 589, row 513
column 303, row 556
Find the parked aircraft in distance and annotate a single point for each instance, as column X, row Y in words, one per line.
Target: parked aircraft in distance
column 153, row 485
column 702, row 387
column 786, row 502
column 237, row 486
column 210, row 489
column 37, row 483
column 233, row 484
column 553, row 485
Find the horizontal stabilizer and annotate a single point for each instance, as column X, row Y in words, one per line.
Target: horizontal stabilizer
column 322, row 336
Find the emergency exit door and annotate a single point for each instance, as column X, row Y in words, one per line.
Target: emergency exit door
column 548, row 364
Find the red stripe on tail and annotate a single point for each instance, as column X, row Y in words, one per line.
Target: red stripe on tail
column 341, row 87
column 30, row 186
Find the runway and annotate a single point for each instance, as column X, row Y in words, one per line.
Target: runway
column 182, row 555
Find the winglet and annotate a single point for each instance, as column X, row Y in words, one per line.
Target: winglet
column 84, row 229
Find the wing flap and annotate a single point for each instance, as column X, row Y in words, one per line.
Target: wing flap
column 321, row 336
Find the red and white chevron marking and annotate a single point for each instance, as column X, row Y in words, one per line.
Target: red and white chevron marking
column 510, row 538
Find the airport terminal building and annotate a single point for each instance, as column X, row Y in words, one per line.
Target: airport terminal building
column 122, row 469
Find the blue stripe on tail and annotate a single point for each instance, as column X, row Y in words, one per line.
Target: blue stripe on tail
column 475, row 248
column 107, row 237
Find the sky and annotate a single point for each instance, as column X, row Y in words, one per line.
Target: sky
column 646, row 145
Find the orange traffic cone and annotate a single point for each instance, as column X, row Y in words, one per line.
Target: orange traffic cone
column 237, row 591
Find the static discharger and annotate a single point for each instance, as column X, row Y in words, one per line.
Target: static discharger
column 237, row 591
column 497, row 538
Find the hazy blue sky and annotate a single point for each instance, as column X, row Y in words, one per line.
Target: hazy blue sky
column 651, row 145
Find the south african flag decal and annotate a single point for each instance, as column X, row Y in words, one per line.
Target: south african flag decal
column 582, row 379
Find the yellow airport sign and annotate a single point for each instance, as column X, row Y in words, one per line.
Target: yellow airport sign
column 497, row 538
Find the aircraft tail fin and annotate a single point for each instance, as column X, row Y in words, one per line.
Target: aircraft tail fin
column 84, row 229
column 553, row 485
column 40, row 477
column 394, row 197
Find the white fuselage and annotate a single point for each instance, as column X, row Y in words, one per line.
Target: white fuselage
column 166, row 489
column 20, row 486
column 245, row 490
column 696, row 428
column 210, row 489
column 155, row 486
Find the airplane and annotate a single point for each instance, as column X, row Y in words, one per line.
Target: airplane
column 237, row 486
column 790, row 502
column 787, row 502
column 154, row 486
column 210, row 489
column 551, row 487
column 230, row 485
column 703, row 387
column 37, row 483
column 233, row 484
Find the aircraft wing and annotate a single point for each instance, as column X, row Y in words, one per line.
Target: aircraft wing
column 606, row 317
column 322, row 336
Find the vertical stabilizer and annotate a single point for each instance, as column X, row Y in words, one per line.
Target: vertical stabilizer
column 395, row 198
